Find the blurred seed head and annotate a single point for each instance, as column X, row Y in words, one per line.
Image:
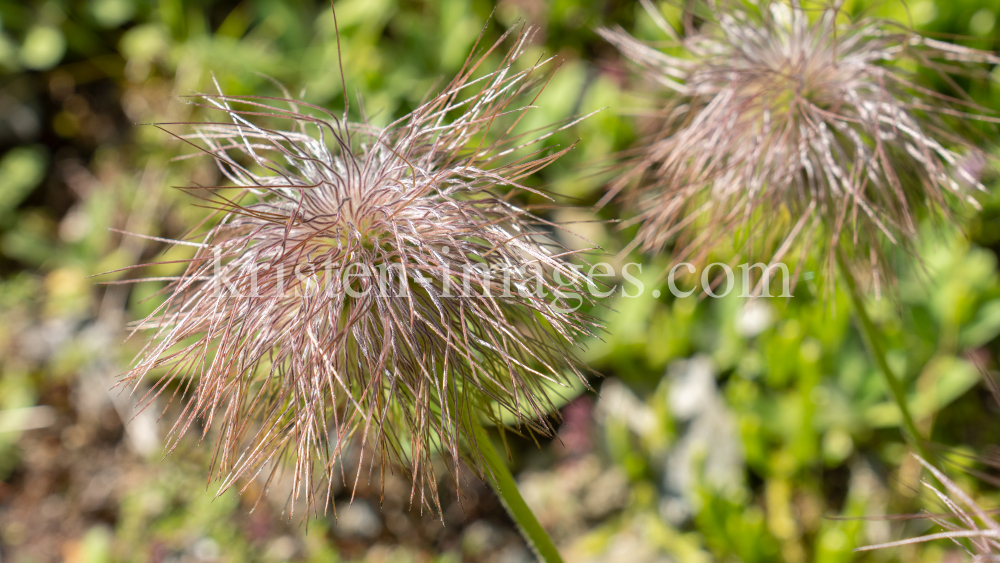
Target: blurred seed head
column 785, row 125
column 368, row 286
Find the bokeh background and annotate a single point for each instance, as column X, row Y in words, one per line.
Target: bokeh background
column 723, row 431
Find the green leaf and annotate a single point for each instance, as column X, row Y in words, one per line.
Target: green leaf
column 985, row 327
column 21, row 169
column 43, row 48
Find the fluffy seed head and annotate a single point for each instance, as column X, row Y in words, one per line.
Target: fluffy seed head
column 368, row 290
column 792, row 125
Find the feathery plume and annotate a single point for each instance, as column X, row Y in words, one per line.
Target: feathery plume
column 788, row 125
column 974, row 529
column 368, row 285
column 972, row 524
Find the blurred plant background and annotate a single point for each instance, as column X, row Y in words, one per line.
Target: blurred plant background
column 723, row 431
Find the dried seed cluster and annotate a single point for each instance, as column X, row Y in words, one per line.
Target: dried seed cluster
column 370, row 289
column 783, row 124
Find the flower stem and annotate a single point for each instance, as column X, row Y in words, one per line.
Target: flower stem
column 503, row 483
column 874, row 342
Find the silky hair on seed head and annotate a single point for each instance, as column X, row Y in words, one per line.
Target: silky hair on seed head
column 782, row 126
column 368, row 291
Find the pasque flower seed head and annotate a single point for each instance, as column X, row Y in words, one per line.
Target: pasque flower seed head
column 788, row 124
column 369, row 289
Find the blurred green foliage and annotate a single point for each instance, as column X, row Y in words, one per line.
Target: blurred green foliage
column 817, row 431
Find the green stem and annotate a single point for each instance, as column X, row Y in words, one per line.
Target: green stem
column 874, row 342
column 506, row 488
